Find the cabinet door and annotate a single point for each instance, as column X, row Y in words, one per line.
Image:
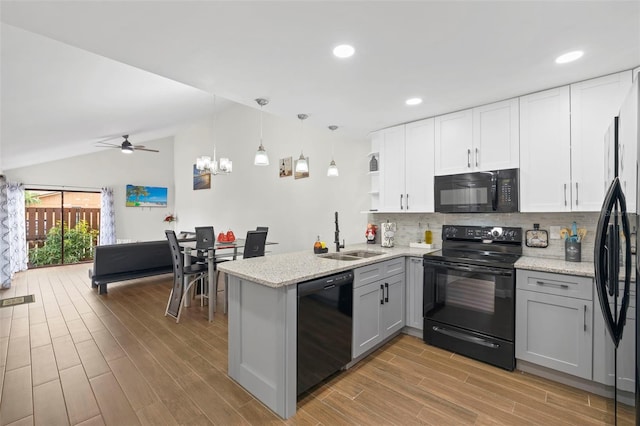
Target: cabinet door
column 413, row 292
column 418, row 172
column 594, row 103
column 392, row 319
column 496, row 136
column 545, row 156
column 555, row 332
column 628, row 146
column 453, row 141
column 392, row 170
column 367, row 303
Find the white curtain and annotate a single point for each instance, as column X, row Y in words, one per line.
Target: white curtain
column 107, row 218
column 5, row 265
column 18, row 255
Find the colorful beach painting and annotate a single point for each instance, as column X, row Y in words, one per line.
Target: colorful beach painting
column 146, row 196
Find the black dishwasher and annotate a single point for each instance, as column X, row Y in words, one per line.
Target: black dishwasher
column 325, row 307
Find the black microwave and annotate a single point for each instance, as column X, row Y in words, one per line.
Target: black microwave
column 477, row 192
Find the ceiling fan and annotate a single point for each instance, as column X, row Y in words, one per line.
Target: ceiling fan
column 126, row 147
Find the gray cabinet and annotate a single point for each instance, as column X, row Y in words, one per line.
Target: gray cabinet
column 378, row 304
column 554, row 321
column 413, row 291
column 603, row 367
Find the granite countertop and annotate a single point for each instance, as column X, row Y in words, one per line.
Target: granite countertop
column 285, row 269
column 584, row 269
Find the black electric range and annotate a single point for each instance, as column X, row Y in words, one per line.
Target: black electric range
column 469, row 292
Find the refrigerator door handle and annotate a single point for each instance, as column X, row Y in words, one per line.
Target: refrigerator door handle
column 606, row 244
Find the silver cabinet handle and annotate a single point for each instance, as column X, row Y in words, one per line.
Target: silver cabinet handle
column 584, row 318
column 565, row 286
column 401, row 205
column 407, row 201
column 468, row 158
column 576, row 193
column 565, row 194
column 476, row 157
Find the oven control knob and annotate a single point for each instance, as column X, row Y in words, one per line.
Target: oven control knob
column 496, row 232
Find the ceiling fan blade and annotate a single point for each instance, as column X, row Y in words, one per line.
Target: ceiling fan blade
column 145, row 149
column 107, row 145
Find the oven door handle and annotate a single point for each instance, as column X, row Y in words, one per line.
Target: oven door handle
column 466, row 337
column 469, row 268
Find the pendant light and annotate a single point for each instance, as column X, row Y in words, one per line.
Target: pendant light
column 205, row 163
column 332, row 171
column 261, row 158
column 301, row 165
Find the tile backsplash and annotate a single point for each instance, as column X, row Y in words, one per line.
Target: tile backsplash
column 410, row 227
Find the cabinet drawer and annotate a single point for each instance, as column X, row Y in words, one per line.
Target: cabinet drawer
column 378, row 271
column 558, row 284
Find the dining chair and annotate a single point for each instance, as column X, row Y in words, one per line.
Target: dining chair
column 254, row 244
column 181, row 273
column 253, row 247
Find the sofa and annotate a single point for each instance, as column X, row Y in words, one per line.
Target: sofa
column 121, row 262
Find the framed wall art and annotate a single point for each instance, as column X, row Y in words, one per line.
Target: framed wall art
column 146, row 196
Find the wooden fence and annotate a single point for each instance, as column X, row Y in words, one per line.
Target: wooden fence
column 38, row 221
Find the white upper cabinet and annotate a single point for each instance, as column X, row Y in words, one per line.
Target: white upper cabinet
column 628, row 146
column 495, row 136
column 419, row 138
column 478, row 139
column 545, row 151
column 594, row 104
column 392, row 169
column 562, row 144
column 406, row 167
column 454, row 137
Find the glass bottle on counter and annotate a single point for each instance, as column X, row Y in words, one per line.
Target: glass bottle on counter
column 428, row 236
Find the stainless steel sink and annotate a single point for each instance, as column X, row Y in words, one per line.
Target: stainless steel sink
column 363, row 253
column 352, row 255
column 339, row 256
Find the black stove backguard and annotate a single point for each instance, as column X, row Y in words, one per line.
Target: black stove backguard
column 469, row 293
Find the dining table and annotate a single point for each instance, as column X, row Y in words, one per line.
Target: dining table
column 211, row 255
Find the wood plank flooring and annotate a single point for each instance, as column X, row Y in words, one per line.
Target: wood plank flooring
column 76, row 358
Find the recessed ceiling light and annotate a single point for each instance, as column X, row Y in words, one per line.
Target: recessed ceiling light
column 413, row 101
column 344, row 51
column 569, row 57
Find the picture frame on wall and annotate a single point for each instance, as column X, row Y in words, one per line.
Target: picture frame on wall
column 146, row 196
column 285, row 167
column 201, row 179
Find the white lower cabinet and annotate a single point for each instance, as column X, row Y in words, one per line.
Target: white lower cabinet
column 415, row 280
column 554, row 321
column 378, row 308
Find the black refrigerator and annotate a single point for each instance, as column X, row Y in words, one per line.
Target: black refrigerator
column 616, row 332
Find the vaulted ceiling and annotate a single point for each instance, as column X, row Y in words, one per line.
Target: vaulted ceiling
column 74, row 72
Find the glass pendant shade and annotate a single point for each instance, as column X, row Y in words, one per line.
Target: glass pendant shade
column 261, row 158
column 333, row 169
column 301, row 165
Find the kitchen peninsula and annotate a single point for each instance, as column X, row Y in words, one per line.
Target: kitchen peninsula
column 263, row 317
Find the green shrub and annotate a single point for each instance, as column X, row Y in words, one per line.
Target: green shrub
column 78, row 245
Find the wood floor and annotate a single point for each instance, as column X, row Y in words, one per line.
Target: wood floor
column 74, row 357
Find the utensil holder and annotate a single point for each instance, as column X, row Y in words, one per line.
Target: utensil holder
column 572, row 251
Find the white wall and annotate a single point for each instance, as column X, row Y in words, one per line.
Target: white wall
column 296, row 211
column 111, row 168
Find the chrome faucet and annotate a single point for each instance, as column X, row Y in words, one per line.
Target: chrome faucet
column 337, row 236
